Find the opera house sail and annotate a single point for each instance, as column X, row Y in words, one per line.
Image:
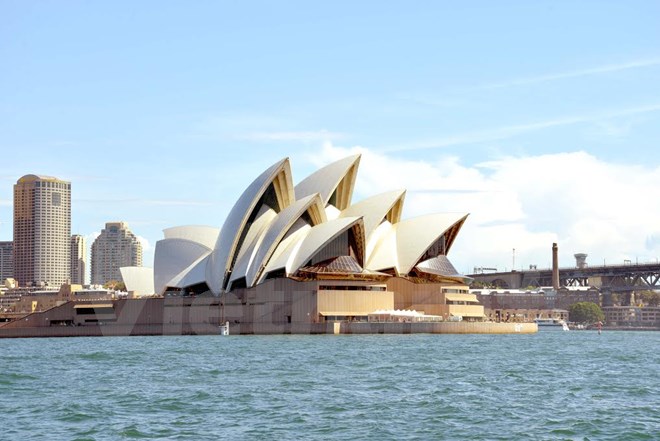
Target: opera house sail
column 307, row 254
column 288, row 259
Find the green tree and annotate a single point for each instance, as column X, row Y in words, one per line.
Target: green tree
column 650, row 298
column 115, row 284
column 585, row 313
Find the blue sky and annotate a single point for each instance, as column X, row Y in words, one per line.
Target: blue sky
column 541, row 119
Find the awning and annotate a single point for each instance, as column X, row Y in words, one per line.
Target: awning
column 92, row 305
column 398, row 312
column 462, row 298
column 340, row 313
column 470, row 314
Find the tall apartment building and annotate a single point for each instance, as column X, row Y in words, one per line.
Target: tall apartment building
column 6, row 260
column 42, row 231
column 115, row 247
column 78, row 259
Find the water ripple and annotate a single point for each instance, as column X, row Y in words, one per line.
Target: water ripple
column 573, row 386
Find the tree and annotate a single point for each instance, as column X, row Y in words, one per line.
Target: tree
column 115, row 285
column 585, row 313
column 650, row 298
column 616, row 299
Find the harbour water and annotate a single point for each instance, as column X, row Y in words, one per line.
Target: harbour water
column 557, row 385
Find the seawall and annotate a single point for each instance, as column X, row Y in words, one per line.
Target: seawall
column 271, row 329
column 202, row 316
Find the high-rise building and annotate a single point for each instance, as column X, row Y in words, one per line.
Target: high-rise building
column 6, row 260
column 78, row 259
column 115, row 247
column 42, row 231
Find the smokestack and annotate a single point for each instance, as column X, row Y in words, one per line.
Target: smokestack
column 555, row 268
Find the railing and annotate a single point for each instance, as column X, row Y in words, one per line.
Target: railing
column 625, row 264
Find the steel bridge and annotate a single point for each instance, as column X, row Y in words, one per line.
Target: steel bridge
column 625, row 278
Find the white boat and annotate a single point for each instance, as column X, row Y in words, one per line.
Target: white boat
column 550, row 324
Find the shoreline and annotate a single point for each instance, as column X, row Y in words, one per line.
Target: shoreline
column 205, row 316
column 329, row 328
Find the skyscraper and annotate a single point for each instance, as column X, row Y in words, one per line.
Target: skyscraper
column 6, row 260
column 42, row 230
column 78, row 259
column 115, row 247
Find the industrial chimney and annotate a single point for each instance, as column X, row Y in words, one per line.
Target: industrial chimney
column 555, row 268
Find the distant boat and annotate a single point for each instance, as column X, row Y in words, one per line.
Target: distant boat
column 551, row 324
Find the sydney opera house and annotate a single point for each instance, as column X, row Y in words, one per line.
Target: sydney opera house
column 291, row 259
column 307, row 254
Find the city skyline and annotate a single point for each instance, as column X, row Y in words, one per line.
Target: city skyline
column 540, row 120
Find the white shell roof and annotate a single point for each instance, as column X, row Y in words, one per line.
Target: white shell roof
column 285, row 252
column 173, row 256
column 276, row 232
column 375, row 240
column 195, row 273
column 139, row 279
column 376, row 208
column 250, row 244
column 226, row 246
column 382, row 254
column 406, row 242
column 201, row 234
column 327, row 179
column 257, row 239
column 318, row 237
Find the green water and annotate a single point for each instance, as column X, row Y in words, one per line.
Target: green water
column 554, row 385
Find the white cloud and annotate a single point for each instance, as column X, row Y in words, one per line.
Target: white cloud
column 142, row 202
column 258, row 128
column 221, row 124
column 637, row 64
column 297, row 136
column 507, row 132
column 146, row 246
column 90, row 238
column 575, row 199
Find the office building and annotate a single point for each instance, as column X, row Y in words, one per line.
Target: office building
column 6, row 260
column 42, row 231
column 78, row 259
column 115, row 247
